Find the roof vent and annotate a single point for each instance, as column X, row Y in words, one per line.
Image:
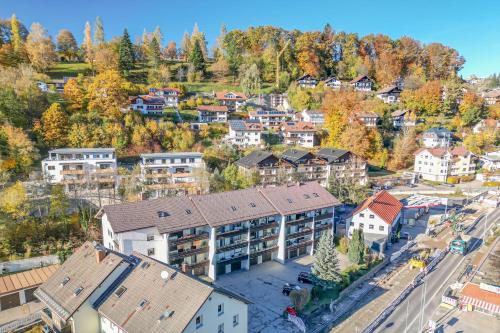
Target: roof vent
column 78, row 291
column 64, row 281
column 188, row 211
column 306, row 196
column 145, row 265
column 162, row 213
column 142, row 304
column 289, row 200
column 252, row 204
column 316, row 195
column 164, row 275
column 165, row 315
column 173, row 275
column 233, row 208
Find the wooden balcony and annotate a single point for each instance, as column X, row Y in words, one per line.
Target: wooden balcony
column 107, row 171
column 187, row 253
column 157, row 175
column 73, row 172
column 189, row 238
column 262, row 251
column 75, row 181
column 199, row 264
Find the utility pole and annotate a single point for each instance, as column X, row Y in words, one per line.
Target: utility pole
column 278, row 56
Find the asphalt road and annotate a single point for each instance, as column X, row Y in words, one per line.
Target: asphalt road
column 407, row 317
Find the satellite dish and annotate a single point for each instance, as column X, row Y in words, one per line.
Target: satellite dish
column 164, row 275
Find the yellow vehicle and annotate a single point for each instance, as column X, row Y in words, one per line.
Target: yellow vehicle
column 420, row 260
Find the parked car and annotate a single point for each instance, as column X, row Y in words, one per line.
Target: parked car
column 288, row 287
column 305, row 277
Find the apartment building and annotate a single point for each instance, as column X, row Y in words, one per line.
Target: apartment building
column 271, row 170
column 233, row 100
column 269, row 118
column 343, row 164
column 298, row 133
column 218, row 233
column 212, row 113
column 81, row 168
column 437, row 164
column 307, row 166
column 244, row 133
column 436, row 137
column 316, row 117
column 171, row 173
column 99, row 290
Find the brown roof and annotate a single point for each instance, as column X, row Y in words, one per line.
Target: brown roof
column 180, row 294
column 298, row 126
column 25, row 280
column 474, row 291
column 388, row 89
column 383, row 204
column 439, row 152
column 493, row 94
column 83, row 271
column 182, row 214
column 290, row 199
column 212, row 108
column 359, row 78
column 239, row 96
column 366, row 114
column 233, row 206
column 398, row 113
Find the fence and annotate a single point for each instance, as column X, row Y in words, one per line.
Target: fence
column 21, row 323
column 29, row 263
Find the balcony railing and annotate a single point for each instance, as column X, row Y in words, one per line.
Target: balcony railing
column 233, row 232
column 236, row 257
column 264, row 239
column 188, row 238
column 73, row 172
column 233, row 246
column 199, row 264
column 264, row 250
column 305, row 232
column 264, row 226
column 299, row 244
column 321, row 227
column 187, row 253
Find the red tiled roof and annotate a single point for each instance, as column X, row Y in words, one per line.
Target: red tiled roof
column 298, row 126
column 239, row 96
column 212, row 108
column 383, row 204
column 439, row 152
column 474, row 291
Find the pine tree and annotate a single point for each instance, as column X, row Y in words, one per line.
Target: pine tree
column 196, row 57
column 17, row 41
column 154, row 52
column 126, row 57
column 98, row 31
column 158, row 35
column 326, row 264
column 356, row 247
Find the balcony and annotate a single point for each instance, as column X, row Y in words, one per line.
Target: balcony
column 299, row 244
column 322, row 227
column 187, row 253
column 233, row 232
column 188, row 238
column 157, row 175
column 264, row 226
column 304, row 232
column 73, row 172
column 264, row 250
column 106, row 171
column 264, row 239
column 233, row 246
column 231, row 259
column 198, row 264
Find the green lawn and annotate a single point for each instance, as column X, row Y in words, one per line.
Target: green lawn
column 61, row 70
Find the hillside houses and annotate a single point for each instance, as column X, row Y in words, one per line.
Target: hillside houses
column 436, row 137
column 492, row 97
column 212, row 113
column 333, row 82
column 367, row 118
column 245, row 133
column 298, row 133
column 307, row 81
column 233, row 100
column 269, row 118
column 315, row 117
column 389, row 94
column 402, row 118
column 361, row 83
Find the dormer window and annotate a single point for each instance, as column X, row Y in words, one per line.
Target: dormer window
column 65, row 280
column 162, row 213
column 78, row 291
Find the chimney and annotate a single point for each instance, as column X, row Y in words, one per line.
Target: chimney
column 100, row 254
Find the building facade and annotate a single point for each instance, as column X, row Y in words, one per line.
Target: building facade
column 437, row 164
column 245, row 133
column 315, row 117
column 402, row 119
column 298, row 133
column 344, row 166
column 362, row 83
column 307, row 81
column 233, row 100
column 269, row 118
column 389, row 94
column 333, row 82
column 436, row 137
column 212, row 113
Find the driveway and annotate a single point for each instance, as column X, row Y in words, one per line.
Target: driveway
column 262, row 285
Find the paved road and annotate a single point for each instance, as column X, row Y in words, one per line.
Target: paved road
column 407, row 316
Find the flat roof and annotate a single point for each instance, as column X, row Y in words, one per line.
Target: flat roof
column 81, row 150
column 171, row 154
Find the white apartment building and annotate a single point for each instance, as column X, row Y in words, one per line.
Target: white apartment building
column 170, row 95
column 491, row 161
column 298, row 133
column 244, row 133
column 437, row 164
column 212, row 113
column 218, row 233
column 269, row 118
column 436, row 137
column 315, row 117
column 98, row 290
column 170, row 173
column 81, row 167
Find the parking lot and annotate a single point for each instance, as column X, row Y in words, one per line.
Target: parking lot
column 262, row 285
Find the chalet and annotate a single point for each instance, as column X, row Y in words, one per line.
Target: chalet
column 367, row 118
column 170, row 95
column 333, row 82
column 402, row 118
column 298, row 133
column 362, row 83
column 389, row 94
column 147, row 105
column 244, row 133
column 212, row 113
column 271, row 169
column 307, row 81
column 491, row 161
column 378, row 217
column 308, row 166
column 233, row 100
column 436, row 137
column 269, row 118
column 344, row 165
column 492, row 97
column 316, row 117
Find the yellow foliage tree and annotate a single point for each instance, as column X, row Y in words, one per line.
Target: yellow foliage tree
column 13, row 200
column 338, row 107
column 107, row 95
column 54, row 126
column 73, row 93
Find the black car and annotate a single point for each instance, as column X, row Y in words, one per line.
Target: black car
column 305, row 277
column 288, row 287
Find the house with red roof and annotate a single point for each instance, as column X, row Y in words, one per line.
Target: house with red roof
column 378, row 217
column 233, row 100
column 437, row 164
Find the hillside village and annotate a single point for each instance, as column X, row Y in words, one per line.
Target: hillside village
column 136, row 157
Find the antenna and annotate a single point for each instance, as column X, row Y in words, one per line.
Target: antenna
column 164, row 275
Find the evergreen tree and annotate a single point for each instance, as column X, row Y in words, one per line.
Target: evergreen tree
column 99, row 31
column 196, row 57
column 126, row 57
column 357, row 247
column 154, row 52
column 16, row 39
column 326, row 264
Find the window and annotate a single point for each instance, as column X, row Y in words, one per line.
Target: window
column 119, row 292
column 370, row 226
column 51, row 167
column 361, row 225
column 372, row 216
column 381, row 228
column 362, row 215
column 220, row 309
column 199, row 321
column 221, row 328
column 151, row 252
column 150, row 238
column 236, row 320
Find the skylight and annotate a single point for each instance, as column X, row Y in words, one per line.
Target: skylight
column 316, row 195
column 142, row 303
column 233, row 208
column 78, row 291
column 289, row 200
column 306, row 196
column 166, row 314
column 188, row 211
column 64, row 281
column 162, row 213
column 252, row 204
column 119, row 292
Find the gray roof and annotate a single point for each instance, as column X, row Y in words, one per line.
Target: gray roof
column 254, row 158
column 81, row 150
column 180, row 294
column 233, row 206
column 182, row 214
column 83, row 271
column 290, row 199
column 172, row 155
column 389, row 89
column 331, row 154
column 294, row 155
column 438, row 130
column 240, row 125
column 398, row 113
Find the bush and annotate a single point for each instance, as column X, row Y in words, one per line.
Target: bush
column 343, row 246
column 300, row 298
column 453, row 180
column 465, row 179
column 491, row 184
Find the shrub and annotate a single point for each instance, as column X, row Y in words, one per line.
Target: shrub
column 343, row 246
column 191, row 103
column 452, row 180
column 300, row 298
column 491, row 184
column 466, row 178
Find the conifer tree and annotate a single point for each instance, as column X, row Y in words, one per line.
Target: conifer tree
column 17, row 41
column 154, row 52
column 326, row 264
column 357, row 247
column 196, row 57
column 98, row 31
column 126, row 57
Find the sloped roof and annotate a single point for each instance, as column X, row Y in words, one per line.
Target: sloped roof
column 366, row 114
column 389, row 89
column 331, row 154
column 246, row 125
column 400, row 112
column 439, row 152
column 293, row 155
column 254, row 158
column 298, row 126
column 306, row 76
column 182, row 214
column 493, row 93
column 290, row 199
column 383, row 204
column 148, row 99
column 359, row 78
column 25, row 280
column 212, row 108
column 238, row 96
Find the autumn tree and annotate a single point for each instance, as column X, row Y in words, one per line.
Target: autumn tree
column 404, row 149
column 126, row 58
column 426, row 100
column 98, row 32
column 66, row 44
column 250, row 79
column 185, row 45
column 338, row 107
column 74, row 95
column 307, row 53
column 171, row 50
column 105, row 58
column 16, row 40
column 87, row 46
column 54, row 126
column 14, row 201
column 40, row 48
column 107, row 95
column 472, row 109
column 365, row 142
column 20, row 149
